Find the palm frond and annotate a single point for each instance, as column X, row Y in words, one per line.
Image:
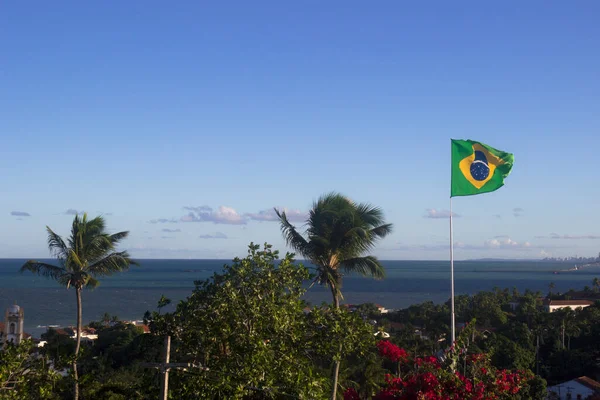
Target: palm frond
column 44, row 269
column 92, row 283
column 74, row 263
column 66, row 280
column 56, row 244
column 381, row 231
column 115, row 238
column 370, row 215
column 293, row 238
column 114, row 262
column 366, row 266
column 97, row 247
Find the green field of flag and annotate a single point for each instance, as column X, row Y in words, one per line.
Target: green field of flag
column 478, row 168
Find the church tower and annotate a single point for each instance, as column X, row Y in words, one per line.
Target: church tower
column 13, row 324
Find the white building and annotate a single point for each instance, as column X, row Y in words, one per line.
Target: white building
column 553, row 305
column 12, row 329
column 575, row 389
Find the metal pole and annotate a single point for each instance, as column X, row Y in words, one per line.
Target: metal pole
column 164, row 382
column 452, row 319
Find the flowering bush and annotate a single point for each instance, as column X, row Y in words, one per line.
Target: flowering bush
column 392, row 352
column 428, row 379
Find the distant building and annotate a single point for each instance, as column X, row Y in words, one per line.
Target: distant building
column 12, row 328
column 87, row 334
column 382, row 309
column 553, row 305
column 580, row 388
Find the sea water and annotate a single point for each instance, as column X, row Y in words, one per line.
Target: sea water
column 129, row 294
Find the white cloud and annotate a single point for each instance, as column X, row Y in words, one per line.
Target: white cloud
column 216, row 235
column 72, row 211
column 20, row 214
column 569, row 237
column 163, row 221
column 270, row 215
column 224, row 215
column 439, row 214
column 505, row 243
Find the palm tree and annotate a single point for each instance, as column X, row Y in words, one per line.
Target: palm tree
column 89, row 253
column 596, row 283
column 106, row 319
column 551, row 286
column 339, row 234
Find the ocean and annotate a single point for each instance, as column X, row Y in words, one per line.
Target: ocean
column 128, row 295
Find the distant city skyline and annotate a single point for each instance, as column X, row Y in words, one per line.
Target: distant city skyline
column 186, row 125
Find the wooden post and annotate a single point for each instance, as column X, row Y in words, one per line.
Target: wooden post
column 166, row 365
column 164, row 382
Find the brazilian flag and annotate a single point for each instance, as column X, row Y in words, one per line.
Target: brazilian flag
column 478, row 168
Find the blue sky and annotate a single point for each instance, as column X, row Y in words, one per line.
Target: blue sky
column 139, row 109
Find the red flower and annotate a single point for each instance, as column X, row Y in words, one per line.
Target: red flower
column 351, row 394
column 391, row 351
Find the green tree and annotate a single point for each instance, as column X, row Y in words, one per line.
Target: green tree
column 163, row 302
column 24, row 376
column 248, row 326
column 596, row 283
column 58, row 348
column 339, row 234
column 551, row 287
column 89, row 253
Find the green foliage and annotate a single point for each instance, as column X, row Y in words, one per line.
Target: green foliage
column 335, row 333
column 535, row 389
column 114, row 342
column 121, row 384
column 59, row 349
column 507, row 354
column 248, row 326
column 368, row 311
column 25, row 375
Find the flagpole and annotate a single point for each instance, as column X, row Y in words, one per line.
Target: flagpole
column 452, row 320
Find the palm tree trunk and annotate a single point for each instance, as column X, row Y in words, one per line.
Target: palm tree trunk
column 336, row 366
column 78, row 345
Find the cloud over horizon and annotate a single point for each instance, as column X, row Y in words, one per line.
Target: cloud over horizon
column 229, row 216
column 163, row 221
column 216, row 235
column 498, row 243
column 223, row 215
column 569, row 237
column 167, row 230
column 439, row 214
column 72, row 211
column 505, row 243
column 20, row 214
column 270, row 215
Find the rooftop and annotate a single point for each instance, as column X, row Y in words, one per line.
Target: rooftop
column 588, row 382
column 570, row 302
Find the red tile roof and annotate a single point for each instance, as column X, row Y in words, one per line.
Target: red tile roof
column 588, row 382
column 570, row 303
